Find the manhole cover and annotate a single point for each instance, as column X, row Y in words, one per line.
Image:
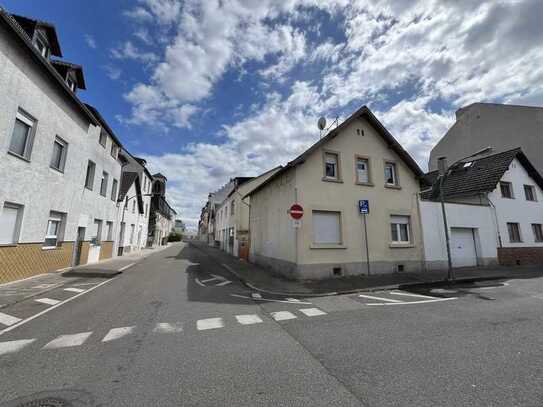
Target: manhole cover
column 47, row 402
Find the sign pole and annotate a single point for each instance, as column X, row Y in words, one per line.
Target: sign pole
column 366, row 240
column 296, row 230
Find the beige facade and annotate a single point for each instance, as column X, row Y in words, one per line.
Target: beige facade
column 319, row 248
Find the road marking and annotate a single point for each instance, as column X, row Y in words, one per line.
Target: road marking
column 293, row 299
column 199, row 282
column 270, row 300
column 282, row 315
column 44, row 286
column 126, row 267
column 248, row 319
column 411, row 295
column 312, row 312
column 167, row 328
column 371, row 297
column 66, row 341
column 14, row 346
column 415, row 302
column 117, row 333
column 8, row 319
column 74, row 290
column 223, row 283
column 39, row 314
column 256, row 295
column 209, row 323
column 48, row 301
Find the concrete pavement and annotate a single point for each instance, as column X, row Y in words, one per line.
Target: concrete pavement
column 179, row 330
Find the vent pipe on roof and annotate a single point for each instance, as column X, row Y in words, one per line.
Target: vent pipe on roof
column 442, row 165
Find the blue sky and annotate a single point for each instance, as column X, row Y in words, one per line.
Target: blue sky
column 208, row 90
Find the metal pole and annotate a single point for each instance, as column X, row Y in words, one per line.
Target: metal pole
column 296, row 229
column 450, row 272
column 367, row 247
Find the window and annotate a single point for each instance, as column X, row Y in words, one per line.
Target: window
column 331, row 166
column 232, row 208
column 114, row 190
column 54, row 229
column 103, row 183
column 362, row 170
column 42, row 47
column 391, row 177
column 58, row 160
column 529, row 192
column 538, row 232
column 514, row 232
column 89, row 178
column 96, row 235
column 132, row 227
column 114, row 150
column 103, row 139
column 327, row 227
column 146, row 209
column 506, row 189
column 23, row 135
column 399, row 229
column 134, row 206
column 109, row 228
column 10, row 223
column 71, row 84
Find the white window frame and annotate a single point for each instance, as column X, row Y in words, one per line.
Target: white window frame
column 510, row 234
column 336, row 155
column 114, row 185
column 28, row 120
column 132, row 231
column 103, row 183
column 59, row 219
column 397, row 227
column 532, row 190
column 366, row 160
column 510, row 186
column 90, row 164
column 18, row 222
column 44, row 50
column 103, row 135
column 114, row 152
column 63, row 154
column 394, row 169
column 97, row 240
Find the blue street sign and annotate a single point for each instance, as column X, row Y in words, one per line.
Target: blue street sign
column 364, row 206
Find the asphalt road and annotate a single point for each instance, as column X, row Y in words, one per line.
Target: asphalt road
column 178, row 330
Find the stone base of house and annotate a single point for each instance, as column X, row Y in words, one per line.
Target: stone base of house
column 520, row 256
column 106, row 250
column 440, row 265
column 29, row 259
column 321, row 271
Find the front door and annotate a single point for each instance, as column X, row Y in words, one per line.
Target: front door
column 121, row 239
column 463, row 249
column 78, row 245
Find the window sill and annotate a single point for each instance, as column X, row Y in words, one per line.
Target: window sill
column 50, row 248
column 18, row 156
column 9, row 245
column 401, row 245
column 57, row 169
column 327, row 246
column 391, row 186
column 339, row 181
column 365, row 184
column 86, row 187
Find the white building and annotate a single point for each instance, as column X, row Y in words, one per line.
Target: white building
column 162, row 215
column 494, row 213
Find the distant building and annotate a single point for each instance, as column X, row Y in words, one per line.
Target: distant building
column 162, row 215
column 179, row 226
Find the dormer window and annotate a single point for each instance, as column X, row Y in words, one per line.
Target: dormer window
column 71, row 84
column 41, row 45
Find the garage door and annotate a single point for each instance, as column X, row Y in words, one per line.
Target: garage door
column 463, row 247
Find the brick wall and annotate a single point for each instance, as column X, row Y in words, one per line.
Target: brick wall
column 513, row 256
column 29, row 259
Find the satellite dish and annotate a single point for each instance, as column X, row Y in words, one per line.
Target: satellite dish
column 321, row 123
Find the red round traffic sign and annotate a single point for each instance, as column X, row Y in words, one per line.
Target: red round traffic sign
column 296, row 211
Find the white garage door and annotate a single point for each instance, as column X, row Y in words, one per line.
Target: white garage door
column 463, row 251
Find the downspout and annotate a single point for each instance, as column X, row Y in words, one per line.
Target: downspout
column 496, row 220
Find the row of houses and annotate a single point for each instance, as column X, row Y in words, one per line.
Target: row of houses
column 368, row 208
column 70, row 192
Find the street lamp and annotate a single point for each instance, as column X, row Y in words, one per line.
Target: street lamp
column 443, row 173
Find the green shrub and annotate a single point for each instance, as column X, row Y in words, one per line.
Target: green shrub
column 174, row 237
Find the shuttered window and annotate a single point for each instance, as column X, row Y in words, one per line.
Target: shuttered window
column 326, row 227
column 10, row 219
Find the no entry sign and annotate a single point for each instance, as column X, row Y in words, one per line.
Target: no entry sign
column 296, row 211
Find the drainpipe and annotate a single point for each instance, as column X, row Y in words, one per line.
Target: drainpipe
column 496, row 219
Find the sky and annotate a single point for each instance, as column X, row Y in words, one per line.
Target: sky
column 209, row 90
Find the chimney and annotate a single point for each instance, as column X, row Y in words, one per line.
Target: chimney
column 442, row 165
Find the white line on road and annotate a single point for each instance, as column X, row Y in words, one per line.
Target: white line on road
column 223, row 283
column 209, row 323
column 270, row 300
column 126, row 267
column 412, row 295
column 210, row 279
column 8, row 319
column 24, row 321
column 292, row 299
column 14, row 346
column 74, row 290
column 415, row 302
column 199, row 282
column 118, row 333
column 65, row 341
column 256, row 295
column 48, row 301
column 282, row 315
column 312, row 312
column 167, row 328
column 248, row 319
column 371, row 297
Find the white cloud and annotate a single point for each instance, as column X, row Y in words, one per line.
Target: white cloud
column 129, row 51
column 91, row 42
column 112, row 72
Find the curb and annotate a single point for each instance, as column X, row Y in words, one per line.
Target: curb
column 91, row 274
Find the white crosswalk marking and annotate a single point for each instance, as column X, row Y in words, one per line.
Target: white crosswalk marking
column 117, row 333
column 209, row 323
column 167, row 328
column 8, row 319
column 312, row 312
column 14, row 346
column 74, row 290
column 282, row 315
column 248, row 319
column 371, row 297
column 64, row 341
column 412, row 295
column 48, row 301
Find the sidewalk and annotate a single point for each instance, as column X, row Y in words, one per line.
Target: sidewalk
column 259, row 279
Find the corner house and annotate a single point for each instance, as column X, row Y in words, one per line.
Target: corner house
column 359, row 160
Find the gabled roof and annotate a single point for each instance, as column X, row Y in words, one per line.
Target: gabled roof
column 127, row 179
column 29, row 25
column 98, row 117
column 477, row 176
column 63, row 67
column 159, row 175
column 363, row 112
